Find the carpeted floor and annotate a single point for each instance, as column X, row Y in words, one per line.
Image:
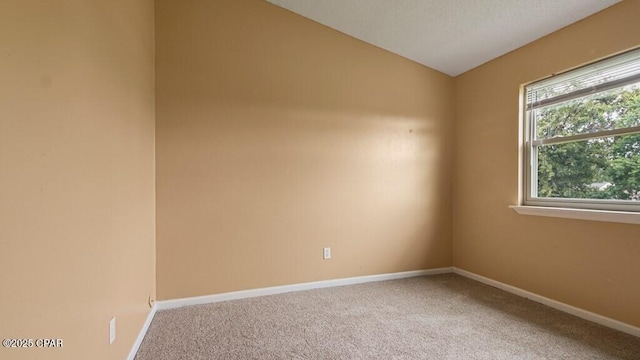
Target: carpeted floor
column 434, row 317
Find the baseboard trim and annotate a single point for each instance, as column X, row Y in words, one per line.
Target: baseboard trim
column 581, row 313
column 207, row 299
column 244, row 294
column 142, row 333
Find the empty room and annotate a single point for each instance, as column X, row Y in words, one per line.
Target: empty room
column 285, row 179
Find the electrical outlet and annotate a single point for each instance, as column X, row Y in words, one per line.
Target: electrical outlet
column 112, row 330
column 326, row 253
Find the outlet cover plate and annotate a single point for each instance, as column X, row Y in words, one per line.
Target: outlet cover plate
column 112, row 330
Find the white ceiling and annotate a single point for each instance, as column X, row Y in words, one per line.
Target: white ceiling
column 451, row 36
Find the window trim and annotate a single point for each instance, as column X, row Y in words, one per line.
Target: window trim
column 529, row 178
column 624, row 217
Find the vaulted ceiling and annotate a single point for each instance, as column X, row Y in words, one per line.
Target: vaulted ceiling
column 451, row 36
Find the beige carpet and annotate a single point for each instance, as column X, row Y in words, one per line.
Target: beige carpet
column 435, row 317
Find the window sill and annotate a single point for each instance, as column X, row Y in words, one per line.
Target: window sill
column 581, row 214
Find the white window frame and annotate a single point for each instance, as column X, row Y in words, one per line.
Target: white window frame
column 530, row 143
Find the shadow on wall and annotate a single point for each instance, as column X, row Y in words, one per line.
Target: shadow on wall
column 277, row 136
column 252, row 53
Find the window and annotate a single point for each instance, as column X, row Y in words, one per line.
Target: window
column 582, row 137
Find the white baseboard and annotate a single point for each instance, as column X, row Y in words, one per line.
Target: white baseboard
column 584, row 314
column 143, row 332
column 208, row 299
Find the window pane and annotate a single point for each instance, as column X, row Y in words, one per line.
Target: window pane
column 605, row 168
column 608, row 110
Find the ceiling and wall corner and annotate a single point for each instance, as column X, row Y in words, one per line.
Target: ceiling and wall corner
column 271, row 147
column 588, row 264
column 270, row 151
column 451, row 36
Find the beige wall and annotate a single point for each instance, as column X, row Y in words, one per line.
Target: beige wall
column 76, row 174
column 591, row 265
column 277, row 136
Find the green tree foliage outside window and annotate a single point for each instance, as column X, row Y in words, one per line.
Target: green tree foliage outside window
column 596, row 168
